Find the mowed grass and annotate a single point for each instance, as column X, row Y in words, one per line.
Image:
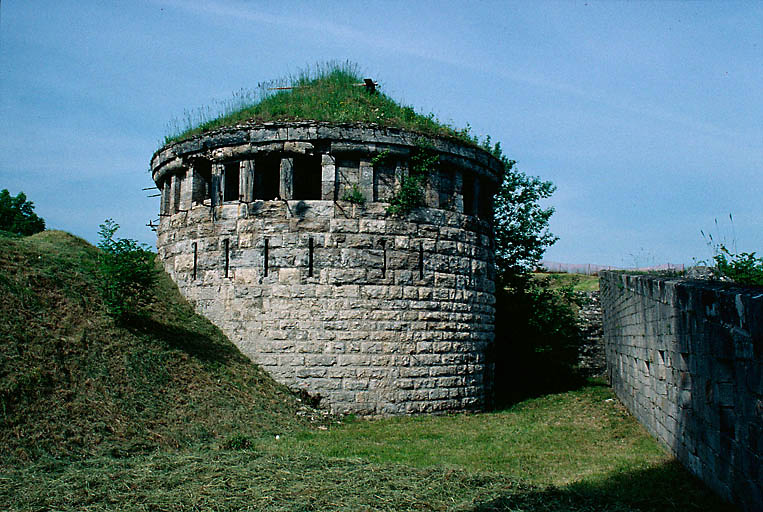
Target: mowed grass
column 165, row 414
column 574, row 451
column 578, row 282
column 553, row 440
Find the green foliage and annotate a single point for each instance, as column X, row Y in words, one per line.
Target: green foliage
column 381, row 159
column 740, row 267
column 743, row 268
column 520, row 222
column 408, row 196
column 127, row 272
column 354, row 195
column 410, row 193
column 537, row 337
column 17, row 215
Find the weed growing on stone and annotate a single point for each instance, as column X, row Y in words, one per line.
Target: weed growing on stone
column 744, row 268
column 354, row 195
column 410, row 192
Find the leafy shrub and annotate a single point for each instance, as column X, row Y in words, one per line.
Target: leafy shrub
column 126, row 270
column 743, row 268
column 410, row 194
column 537, row 337
column 520, row 223
column 17, row 215
column 354, row 195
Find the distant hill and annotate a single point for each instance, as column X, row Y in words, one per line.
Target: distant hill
column 72, row 383
column 590, row 268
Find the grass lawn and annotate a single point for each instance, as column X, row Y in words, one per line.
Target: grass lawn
column 579, row 282
column 552, row 440
column 574, row 451
column 164, row 414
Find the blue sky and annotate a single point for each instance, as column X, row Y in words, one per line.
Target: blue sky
column 648, row 116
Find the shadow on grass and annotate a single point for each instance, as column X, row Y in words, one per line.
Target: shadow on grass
column 668, row 487
column 200, row 346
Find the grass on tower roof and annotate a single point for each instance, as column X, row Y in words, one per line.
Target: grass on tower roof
column 325, row 92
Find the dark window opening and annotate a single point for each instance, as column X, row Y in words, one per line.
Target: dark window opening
column 231, row 181
column 202, row 182
column 486, row 202
column 307, row 177
column 347, row 175
column 446, row 188
column 176, row 193
column 384, row 181
column 468, row 193
column 164, row 204
column 384, row 258
column 267, row 169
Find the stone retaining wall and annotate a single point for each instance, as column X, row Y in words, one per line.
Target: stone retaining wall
column 376, row 314
column 686, row 358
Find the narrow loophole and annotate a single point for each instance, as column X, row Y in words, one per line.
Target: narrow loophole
column 265, row 258
column 384, row 258
column 195, row 259
column 226, row 243
column 421, row 260
column 310, row 257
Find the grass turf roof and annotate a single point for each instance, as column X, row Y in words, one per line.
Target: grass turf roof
column 325, row 93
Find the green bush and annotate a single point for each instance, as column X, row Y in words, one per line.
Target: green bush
column 410, row 194
column 537, row 337
column 743, row 268
column 354, row 195
column 17, row 215
column 127, row 272
column 740, row 267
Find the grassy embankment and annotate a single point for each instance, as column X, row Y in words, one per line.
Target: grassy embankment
column 327, row 92
column 165, row 414
column 578, row 282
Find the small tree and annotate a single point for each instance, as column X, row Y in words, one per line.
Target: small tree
column 17, row 215
column 127, row 272
column 521, row 223
column 537, row 332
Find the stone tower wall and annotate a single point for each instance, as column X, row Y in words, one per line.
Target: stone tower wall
column 376, row 314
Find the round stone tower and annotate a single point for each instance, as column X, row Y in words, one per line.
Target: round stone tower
column 279, row 234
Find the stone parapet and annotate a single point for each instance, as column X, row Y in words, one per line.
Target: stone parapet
column 686, row 358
